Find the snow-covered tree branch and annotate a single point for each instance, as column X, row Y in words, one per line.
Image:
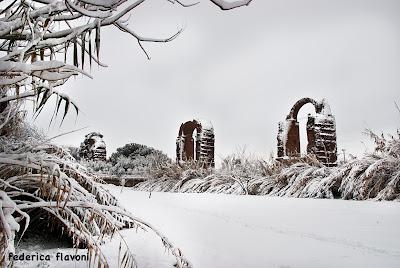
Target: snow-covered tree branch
column 45, row 42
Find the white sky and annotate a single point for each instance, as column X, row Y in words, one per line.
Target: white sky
column 242, row 70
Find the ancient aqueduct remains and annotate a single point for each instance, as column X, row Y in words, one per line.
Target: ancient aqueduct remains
column 195, row 141
column 321, row 133
column 200, row 149
column 93, row 147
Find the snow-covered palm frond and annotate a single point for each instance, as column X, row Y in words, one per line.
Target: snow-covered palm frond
column 47, row 181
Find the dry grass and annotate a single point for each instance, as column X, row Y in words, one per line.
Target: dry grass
column 374, row 176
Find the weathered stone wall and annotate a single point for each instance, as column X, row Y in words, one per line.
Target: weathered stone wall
column 321, row 133
column 280, row 141
column 93, row 147
column 200, row 149
column 325, row 140
column 206, row 148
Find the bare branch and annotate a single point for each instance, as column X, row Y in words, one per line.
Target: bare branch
column 226, row 5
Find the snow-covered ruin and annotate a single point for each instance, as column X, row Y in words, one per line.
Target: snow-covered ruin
column 199, row 149
column 321, row 133
column 93, row 147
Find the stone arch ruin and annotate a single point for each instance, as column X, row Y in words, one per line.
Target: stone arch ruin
column 199, row 149
column 321, row 133
column 93, row 147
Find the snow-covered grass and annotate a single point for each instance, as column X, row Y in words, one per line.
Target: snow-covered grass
column 374, row 176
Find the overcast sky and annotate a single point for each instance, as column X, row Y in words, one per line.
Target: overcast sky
column 242, row 70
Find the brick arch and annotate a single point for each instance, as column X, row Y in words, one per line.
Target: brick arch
column 200, row 148
column 300, row 103
column 321, row 133
column 188, row 128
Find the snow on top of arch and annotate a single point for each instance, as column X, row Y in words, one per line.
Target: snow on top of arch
column 326, row 109
column 205, row 124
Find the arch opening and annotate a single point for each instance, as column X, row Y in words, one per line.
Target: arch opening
column 306, row 111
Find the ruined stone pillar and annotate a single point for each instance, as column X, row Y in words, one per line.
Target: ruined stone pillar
column 280, row 140
column 311, row 136
column 292, row 146
column 325, row 140
column 200, row 149
column 93, row 147
column 206, row 148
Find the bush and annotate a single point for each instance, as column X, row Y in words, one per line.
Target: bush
column 374, row 176
column 131, row 159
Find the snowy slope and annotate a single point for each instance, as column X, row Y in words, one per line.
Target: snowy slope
column 258, row 231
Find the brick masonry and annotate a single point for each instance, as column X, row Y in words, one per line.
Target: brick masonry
column 321, row 133
column 200, row 148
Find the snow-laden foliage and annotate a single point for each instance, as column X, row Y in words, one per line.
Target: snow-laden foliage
column 136, row 151
column 41, row 179
column 9, row 225
column 44, row 43
column 130, row 159
column 374, row 176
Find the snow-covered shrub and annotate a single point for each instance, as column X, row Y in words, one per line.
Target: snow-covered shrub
column 172, row 176
column 140, row 153
column 131, row 159
column 9, row 226
column 46, row 177
column 374, row 176
column 102, row 167
column 74, row 151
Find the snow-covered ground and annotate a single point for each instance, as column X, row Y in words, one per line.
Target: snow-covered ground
column 259, row 231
